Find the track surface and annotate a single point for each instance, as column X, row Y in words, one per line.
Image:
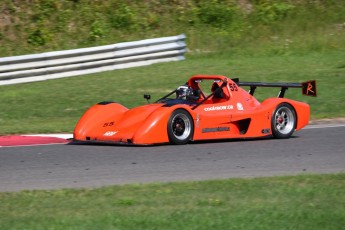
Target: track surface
column 312, row 150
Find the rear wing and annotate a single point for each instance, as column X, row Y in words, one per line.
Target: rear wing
column 308, row 87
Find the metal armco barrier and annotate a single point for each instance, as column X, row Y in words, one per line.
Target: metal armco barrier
column 68, row 63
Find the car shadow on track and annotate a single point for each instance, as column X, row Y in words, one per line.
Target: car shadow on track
column 199, row 142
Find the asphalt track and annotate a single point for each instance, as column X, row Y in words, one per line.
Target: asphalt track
column 316, row 149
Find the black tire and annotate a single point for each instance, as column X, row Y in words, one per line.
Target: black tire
column 180, row 127
column 283, row 121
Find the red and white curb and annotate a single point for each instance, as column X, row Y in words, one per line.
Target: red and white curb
column 36, row 139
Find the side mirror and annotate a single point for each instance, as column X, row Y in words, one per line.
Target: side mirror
column 147, row 97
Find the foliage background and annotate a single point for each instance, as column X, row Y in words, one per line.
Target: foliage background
column 236, row 26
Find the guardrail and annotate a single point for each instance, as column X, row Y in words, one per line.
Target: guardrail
column 68, row 63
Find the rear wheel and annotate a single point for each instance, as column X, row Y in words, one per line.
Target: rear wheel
column 180, row 127
column 283, row 121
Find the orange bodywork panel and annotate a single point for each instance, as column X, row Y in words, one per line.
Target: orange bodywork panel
column 114, row 123
column 234, row 113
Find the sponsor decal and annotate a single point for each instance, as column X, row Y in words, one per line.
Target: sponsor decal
column 218, row 108
column 309, row 88
column 110, row 133
column 266, row 131
column 239, row 106
column 216, row 129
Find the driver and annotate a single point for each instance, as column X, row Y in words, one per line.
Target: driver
column 182, row 91
column 185, row 92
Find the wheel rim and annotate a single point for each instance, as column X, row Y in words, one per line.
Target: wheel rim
column 181, row 126
column 284, row 120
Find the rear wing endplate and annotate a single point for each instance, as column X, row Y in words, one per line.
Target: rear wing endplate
column 308, row 87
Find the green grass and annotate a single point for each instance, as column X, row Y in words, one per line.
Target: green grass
column 300, row 202
column 56, row 105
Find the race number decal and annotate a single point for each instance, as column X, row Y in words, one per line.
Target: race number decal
column 108, row 124
column 233, row 87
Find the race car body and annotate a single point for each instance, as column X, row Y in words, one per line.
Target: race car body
column 205, row 108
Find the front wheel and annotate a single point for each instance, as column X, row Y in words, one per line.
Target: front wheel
column 283, row 121
column 180, row 127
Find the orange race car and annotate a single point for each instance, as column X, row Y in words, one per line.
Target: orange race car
column 207, row 107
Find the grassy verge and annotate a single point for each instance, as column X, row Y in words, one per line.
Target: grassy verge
column 300, row 202
column 56, row 105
